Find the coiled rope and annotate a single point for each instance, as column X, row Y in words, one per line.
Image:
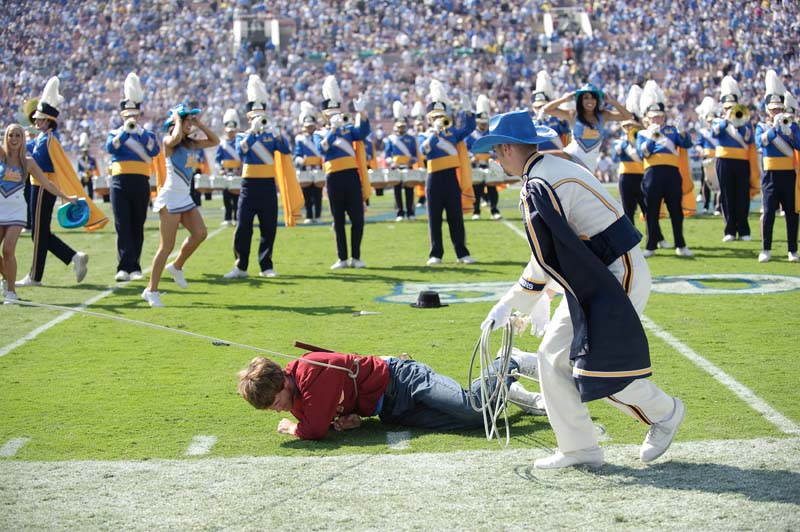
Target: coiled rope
column 493, row 388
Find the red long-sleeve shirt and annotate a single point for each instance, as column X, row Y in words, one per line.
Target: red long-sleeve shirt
column 323, row 393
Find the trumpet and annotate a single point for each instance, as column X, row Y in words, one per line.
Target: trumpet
column 632, row 132
column 446, row 122
column 130, row 125
column 782, row 120
column 739, row 114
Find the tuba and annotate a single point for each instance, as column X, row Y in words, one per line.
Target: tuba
column 739, row 115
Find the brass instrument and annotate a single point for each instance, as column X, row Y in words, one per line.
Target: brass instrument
column 446, row 122
column 632, row 132
column 739, row 114
column 783, row 119
column 130, row 125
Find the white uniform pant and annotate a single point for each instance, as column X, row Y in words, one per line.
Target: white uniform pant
column 568, row 416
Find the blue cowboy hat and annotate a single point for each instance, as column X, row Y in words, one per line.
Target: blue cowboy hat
column 512, row 128
column 71, row 216
column 183, row 111
column 588, row 87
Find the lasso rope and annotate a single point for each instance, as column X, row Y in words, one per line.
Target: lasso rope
column 214, row 341
column 493, row 388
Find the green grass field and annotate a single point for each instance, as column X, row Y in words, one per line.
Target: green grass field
column 90, row 389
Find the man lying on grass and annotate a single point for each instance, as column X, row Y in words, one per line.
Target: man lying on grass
column 324, row 390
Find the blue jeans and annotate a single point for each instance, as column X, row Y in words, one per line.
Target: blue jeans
column 417, row 396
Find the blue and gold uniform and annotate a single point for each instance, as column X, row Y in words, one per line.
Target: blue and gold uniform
column 307, row 157
column 733, row 153
column 659, row 149
column 560, row 127
column 229, row 164
column 443, row 190
column 401, row 151
column 631, row 173
column 481, row 161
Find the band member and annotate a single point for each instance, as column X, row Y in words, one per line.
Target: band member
column 542, row 94
column 707, row 144
column 481, row 188
column 588, row 121
column 307, row 157
column 174, row 203
column 345, row 166
column 660, row 148
column 229, row 164
column 449, row 174
column 402, row 152
column 631, row 168
column 87, row 166
column 420, row 129
column 132, row 149
column 258, row 147
column 53, row 161
column 737, row 165
column 777, row 139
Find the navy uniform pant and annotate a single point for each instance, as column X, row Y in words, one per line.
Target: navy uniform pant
column 444, row 196
column 734, row 184
column 663, row 182
column 407, row 208
column 257, row 197
column 312, row 196
column 41, row 209
column 344, row 195
column 130, row 196
column 229, row 201
column 777, row 187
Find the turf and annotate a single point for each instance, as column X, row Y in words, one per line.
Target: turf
column 92, row 389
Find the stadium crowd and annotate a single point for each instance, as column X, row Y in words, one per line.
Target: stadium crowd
column 390, row 49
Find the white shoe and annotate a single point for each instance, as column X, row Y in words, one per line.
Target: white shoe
column 268, row 273
column 235, row 273
column 476, row 216
column 308, row 221
column 177, row 275
column 527, row 363
column 728, row 238
column 466, row 259
column 793, row 257
column 764, row 256
column 136, row 276
column 434, row 260
column 664, row 245
column 3, row 287
column 398, row 219
column 153, row 298
column 591, row 456
column 660, row 435
column 80, row 260
column 122, row 276
column 10, row 298
column 225, row 222
column 411, row 217
column 357, row 263
column 339, row 264
column 531, row 403
column 497, row 216
column 27, row 281
column 647, row 253
column 683, row 252
column 717, row 212
column 746, row 238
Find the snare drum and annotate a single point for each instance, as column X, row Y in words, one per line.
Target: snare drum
column 376, row 179
column 305, row 178
column 479, row 175
column 218, row 182
column 412, row 178
column 710, row 169
column 234, row 184
column 102, row 184
column 495, row 175
column 392, row 177
column 202, row 183
column 319, row 177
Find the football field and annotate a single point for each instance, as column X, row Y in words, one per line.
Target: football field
column 123, row 422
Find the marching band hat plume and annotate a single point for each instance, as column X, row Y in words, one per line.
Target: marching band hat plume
column 512, row 128
column 428, row 299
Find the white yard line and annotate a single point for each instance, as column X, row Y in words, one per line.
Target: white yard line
column 398, row 441
column 11, row 447
column 67, row 315
column 784, row 424
column 201, row 445
column 741, row 391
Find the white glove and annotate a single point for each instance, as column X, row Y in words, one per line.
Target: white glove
column 466, row 103
column 654, row 128
column 258, row 124
column 540, row 315
column 498, row 317
column 438, row 125
column 786, row 129
column 337, row 121
column 360, row 103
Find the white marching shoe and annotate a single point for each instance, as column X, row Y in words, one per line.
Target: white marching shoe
column 764, row 256
column 339, row 264
column 591, row 456
column 661, row 434
column 81, row 263
column 647, row 253
column 683, row 252
column 268, row 273
column 664, row 245
column 122, row 276
column 357, row 263
column 794, row 257
column 235, row 273
column 728, row 238
column 28, row 281
column 434, row 260
column 466, row 259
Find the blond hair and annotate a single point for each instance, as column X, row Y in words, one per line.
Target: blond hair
column 260, row 382
column 20, row 152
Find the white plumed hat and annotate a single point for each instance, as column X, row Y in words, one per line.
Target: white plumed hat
column 652, row 99
column 230, row 119
column 483, row 108
column 729, row 92
column 439, row 100
column 132, row 89
column 543, row 92
column 256, row 95
column 773, row 99
column 306, row 115
column 331, row 97
column 50, row 101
